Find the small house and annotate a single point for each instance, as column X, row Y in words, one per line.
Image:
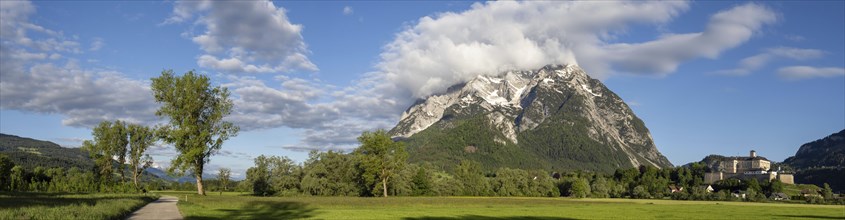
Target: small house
column 779, row 196
column 675, row 189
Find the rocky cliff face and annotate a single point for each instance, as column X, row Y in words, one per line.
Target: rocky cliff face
column 555, row 117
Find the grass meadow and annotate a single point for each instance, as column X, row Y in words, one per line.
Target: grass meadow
column 236, row 206
column 70, row 206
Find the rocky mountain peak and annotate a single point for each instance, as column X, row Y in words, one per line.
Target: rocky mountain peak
column 517, row 104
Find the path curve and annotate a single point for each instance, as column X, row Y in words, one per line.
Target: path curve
column 163, row 208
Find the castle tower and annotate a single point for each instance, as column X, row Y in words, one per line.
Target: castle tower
column 753, row 154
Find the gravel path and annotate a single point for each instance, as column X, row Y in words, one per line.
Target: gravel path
column 163, row 208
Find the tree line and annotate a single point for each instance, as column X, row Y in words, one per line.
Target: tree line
column 379, row 167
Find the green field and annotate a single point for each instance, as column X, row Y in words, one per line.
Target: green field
column 232, row 205
column 70, row 206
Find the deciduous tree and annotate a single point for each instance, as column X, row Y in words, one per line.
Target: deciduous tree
column 380, row 157
column 223, row 176
column 109, row 138
column 196, row 111
column 140, row 138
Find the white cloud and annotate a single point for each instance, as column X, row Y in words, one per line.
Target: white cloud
column 97, row 44
column 809, row 72
column 450, row 48
column 259, row 106
column 13, row 15
column 250, row 36
column 34, row 82
column 84, row 97
column 796, row 53
column 753, row 63
column 348, row 10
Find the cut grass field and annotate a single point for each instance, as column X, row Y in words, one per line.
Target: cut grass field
column 235, row 206
column 70, row 206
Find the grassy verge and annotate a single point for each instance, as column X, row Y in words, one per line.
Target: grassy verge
column 70, row 206
column 234, row 206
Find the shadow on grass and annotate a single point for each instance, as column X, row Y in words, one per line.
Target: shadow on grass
column 267, row 210
column 810, row 216
column 488, row 218
column 22, row 200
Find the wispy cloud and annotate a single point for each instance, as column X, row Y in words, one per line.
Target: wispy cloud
column 809, row 72
column 750, row 64
column 38, row 78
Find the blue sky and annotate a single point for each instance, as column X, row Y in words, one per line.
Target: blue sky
column 706, row 77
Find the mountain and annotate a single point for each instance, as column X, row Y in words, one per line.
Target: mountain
column 31, row 153
column 825, row 152
column 821, row 161
column 555, row 118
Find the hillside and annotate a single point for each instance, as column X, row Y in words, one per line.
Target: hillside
column 826, row 152
column 553, row 118
column 31, row 153
column 821, row 161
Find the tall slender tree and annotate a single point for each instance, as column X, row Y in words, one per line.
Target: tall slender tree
column 223, row 176
column 120, row 141
column 140, row 138
column 196, row 111
column 381, row 158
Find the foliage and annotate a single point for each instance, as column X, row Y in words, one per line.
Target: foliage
column 827, row 192
column 196, row 111
column 331, row 174
column 640, row 192
column 140, row 138
column 471, row 179
column 820, row 176
column 380, row 159
column 421, row 183
column 580, row 188
column 274, row 175
column 102, row 148
column 6, row 166
column 223, row 176
column 599, row 187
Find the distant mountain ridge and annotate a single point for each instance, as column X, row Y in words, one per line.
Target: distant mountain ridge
column 555, row 118
column 826, row 152
column 821, row 161
column 31, row 153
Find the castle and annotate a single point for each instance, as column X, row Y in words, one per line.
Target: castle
column 752, row 166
